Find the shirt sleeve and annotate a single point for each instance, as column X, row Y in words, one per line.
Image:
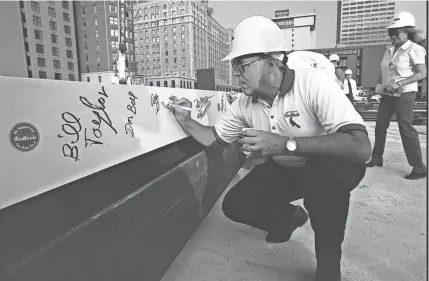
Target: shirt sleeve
column 329, row 104
column 417, row 54
column 229, row 126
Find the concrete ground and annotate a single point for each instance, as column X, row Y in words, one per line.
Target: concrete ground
column 385, row 238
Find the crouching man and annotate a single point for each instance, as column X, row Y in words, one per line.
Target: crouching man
column 314, row 142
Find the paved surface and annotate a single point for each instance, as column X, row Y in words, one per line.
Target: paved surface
column 385, row 239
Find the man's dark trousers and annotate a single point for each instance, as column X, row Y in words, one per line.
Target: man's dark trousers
column 403, row 106
column 261, row 200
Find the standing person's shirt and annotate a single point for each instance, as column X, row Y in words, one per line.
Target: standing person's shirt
column 315, row 103
column 398, row 66
column 353, row 87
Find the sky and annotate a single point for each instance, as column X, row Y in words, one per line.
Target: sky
column 230, row 13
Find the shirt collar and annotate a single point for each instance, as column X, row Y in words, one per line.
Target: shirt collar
column 403, row 47
column 283, row 85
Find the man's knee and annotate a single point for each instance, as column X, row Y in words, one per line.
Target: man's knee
column 406, row 128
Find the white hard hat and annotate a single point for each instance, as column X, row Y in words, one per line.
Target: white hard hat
column 348, row 71
column 403, row 19
column 256, row 34
column 334, row 57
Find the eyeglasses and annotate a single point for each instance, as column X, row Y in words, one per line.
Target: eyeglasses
column 240, row 68
column 394, row 33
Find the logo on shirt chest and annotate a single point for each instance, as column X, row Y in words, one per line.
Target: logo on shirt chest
column 291, row 113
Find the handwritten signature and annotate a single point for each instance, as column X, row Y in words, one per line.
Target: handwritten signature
column 131, row 107
column 73, row 126
column 154, row 100
column 202, row 105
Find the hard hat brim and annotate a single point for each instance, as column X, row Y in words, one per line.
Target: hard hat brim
column 398, row 25
column 231, row 55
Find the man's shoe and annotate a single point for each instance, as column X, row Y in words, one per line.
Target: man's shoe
column 284, row 233
column 416, row 175
column 371, row 164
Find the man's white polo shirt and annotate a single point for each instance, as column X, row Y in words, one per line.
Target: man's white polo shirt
column 314, row 106
column 398, row 66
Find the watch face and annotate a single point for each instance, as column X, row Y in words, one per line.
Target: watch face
column 291, row 145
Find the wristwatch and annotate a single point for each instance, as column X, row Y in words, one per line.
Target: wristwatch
column 399, row 83
column 290, row 145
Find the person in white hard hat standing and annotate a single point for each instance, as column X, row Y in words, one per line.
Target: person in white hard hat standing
column 402, row 66
column 314, row 143
column 350, row 88
column 335, row 60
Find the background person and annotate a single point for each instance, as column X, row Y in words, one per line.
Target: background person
column 402, row 66
column 315, row 141
column 350, row 88
column 335, row 60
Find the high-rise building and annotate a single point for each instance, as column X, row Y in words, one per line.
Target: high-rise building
column 175, row 38
column 38, row 40
column 364, row 22
column 98, row 36
column 299, row 30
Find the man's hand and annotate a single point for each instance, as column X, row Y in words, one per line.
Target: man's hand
column 261, row 143
column 175, row 107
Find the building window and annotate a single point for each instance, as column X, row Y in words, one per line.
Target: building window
column 37, row 21
column 57, row 76
column 35, row 7
column 113, row 8
column 69, row 54
column 28, row 60
column 88, row 79
column 95, row 21
column 51, row 12
column 66, row 17
column 41, row 62
column 38, row 34
column 94, row 8
column 71, row 77
column 57, row 64
column 68, row 42
column 66, row 5
column 67, row 29
column 55, row 51
column 83, row 11
column 42, row 75
column 87, row 70
column 40, row 49
column 54, row 38
column 113, row 20
column 53, row 25
column 70, row 66
column 115, row 44
column 27, row 49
